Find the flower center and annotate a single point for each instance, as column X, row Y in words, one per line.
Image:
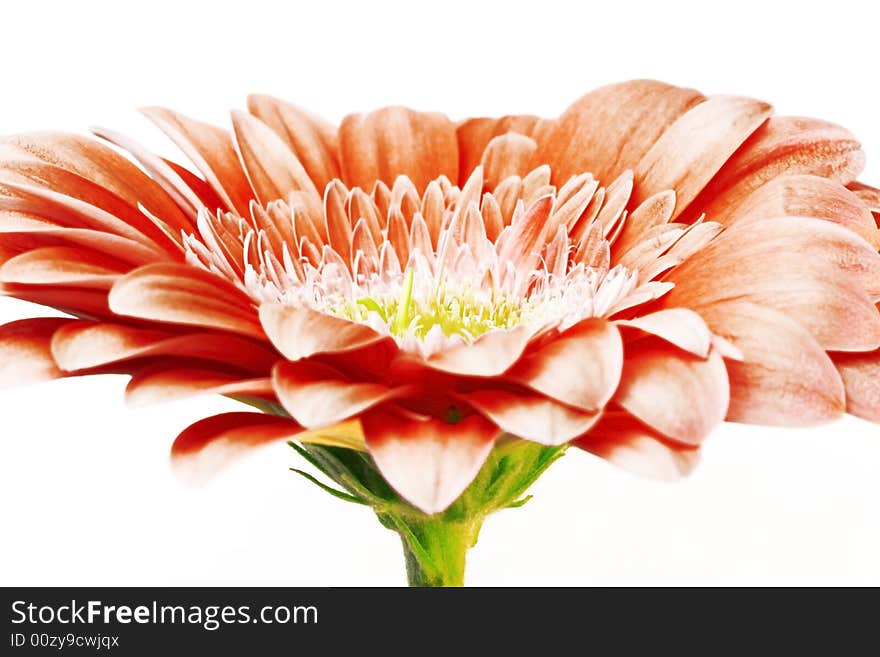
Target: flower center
column 448, row 264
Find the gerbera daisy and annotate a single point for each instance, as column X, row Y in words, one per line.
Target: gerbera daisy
column 432, row 311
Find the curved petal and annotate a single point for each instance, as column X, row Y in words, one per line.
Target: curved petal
column 694, row 148
column 167, row 381
column 397, row 141
column 474, row 135
column 316, row 395
column 679, row 326
column 212, row 150
column 80, row 302
column 782, row 146
column 93, row 161
column 531, row 416
column 271, row 167
column 62, row 265
column 611, row 128
column 302, row 332
column 209, row 445
column 816, row 272
column 25, row 353
column 83, row 345
column 181, row 294
column 625, row 442
column 507, row 155
column 427, row 461
column 784, row 377
column 681, row 396
column 581, row 367
column 861, row 379
column 312, row 140
column 809, row 196
column 491, row 354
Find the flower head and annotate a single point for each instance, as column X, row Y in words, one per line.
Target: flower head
column 623, row 277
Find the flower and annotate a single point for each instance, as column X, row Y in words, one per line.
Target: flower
column 622, row 278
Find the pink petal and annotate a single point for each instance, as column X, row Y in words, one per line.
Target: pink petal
column 427, row 461
column 581, row 367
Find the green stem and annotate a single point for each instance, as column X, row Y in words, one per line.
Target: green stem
column 435, row 549
column 434, row 546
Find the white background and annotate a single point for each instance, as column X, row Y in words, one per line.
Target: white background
column 86, row 494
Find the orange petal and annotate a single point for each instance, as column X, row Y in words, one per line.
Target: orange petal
column 491, row 354
column 679, row 326
column 681, row 396
column 809, row 196
column 693, row 149
column 625, row 442
column 17, row 225
column 653, row 211
column 93, row 161
column 212, row 150
column 209, row 445
column 785, row 377
column 61, row 209
column 81, row 302
column 272, row 168
column 301, row 332
column 782, row 146
column 870, row 196
column 62, row 265
column 508, row 155
column 166, row 382
column 165, row 175
column 25, row 354
column 427, row 461
column 611, row 128
column 861, row 379
column 180, row 294
column 397, row 141
column 814, row 271
column 531, row 416
column 580, row 368
column 317, row 396
column 474, row 135
column 312, row 140
column 83, row 345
